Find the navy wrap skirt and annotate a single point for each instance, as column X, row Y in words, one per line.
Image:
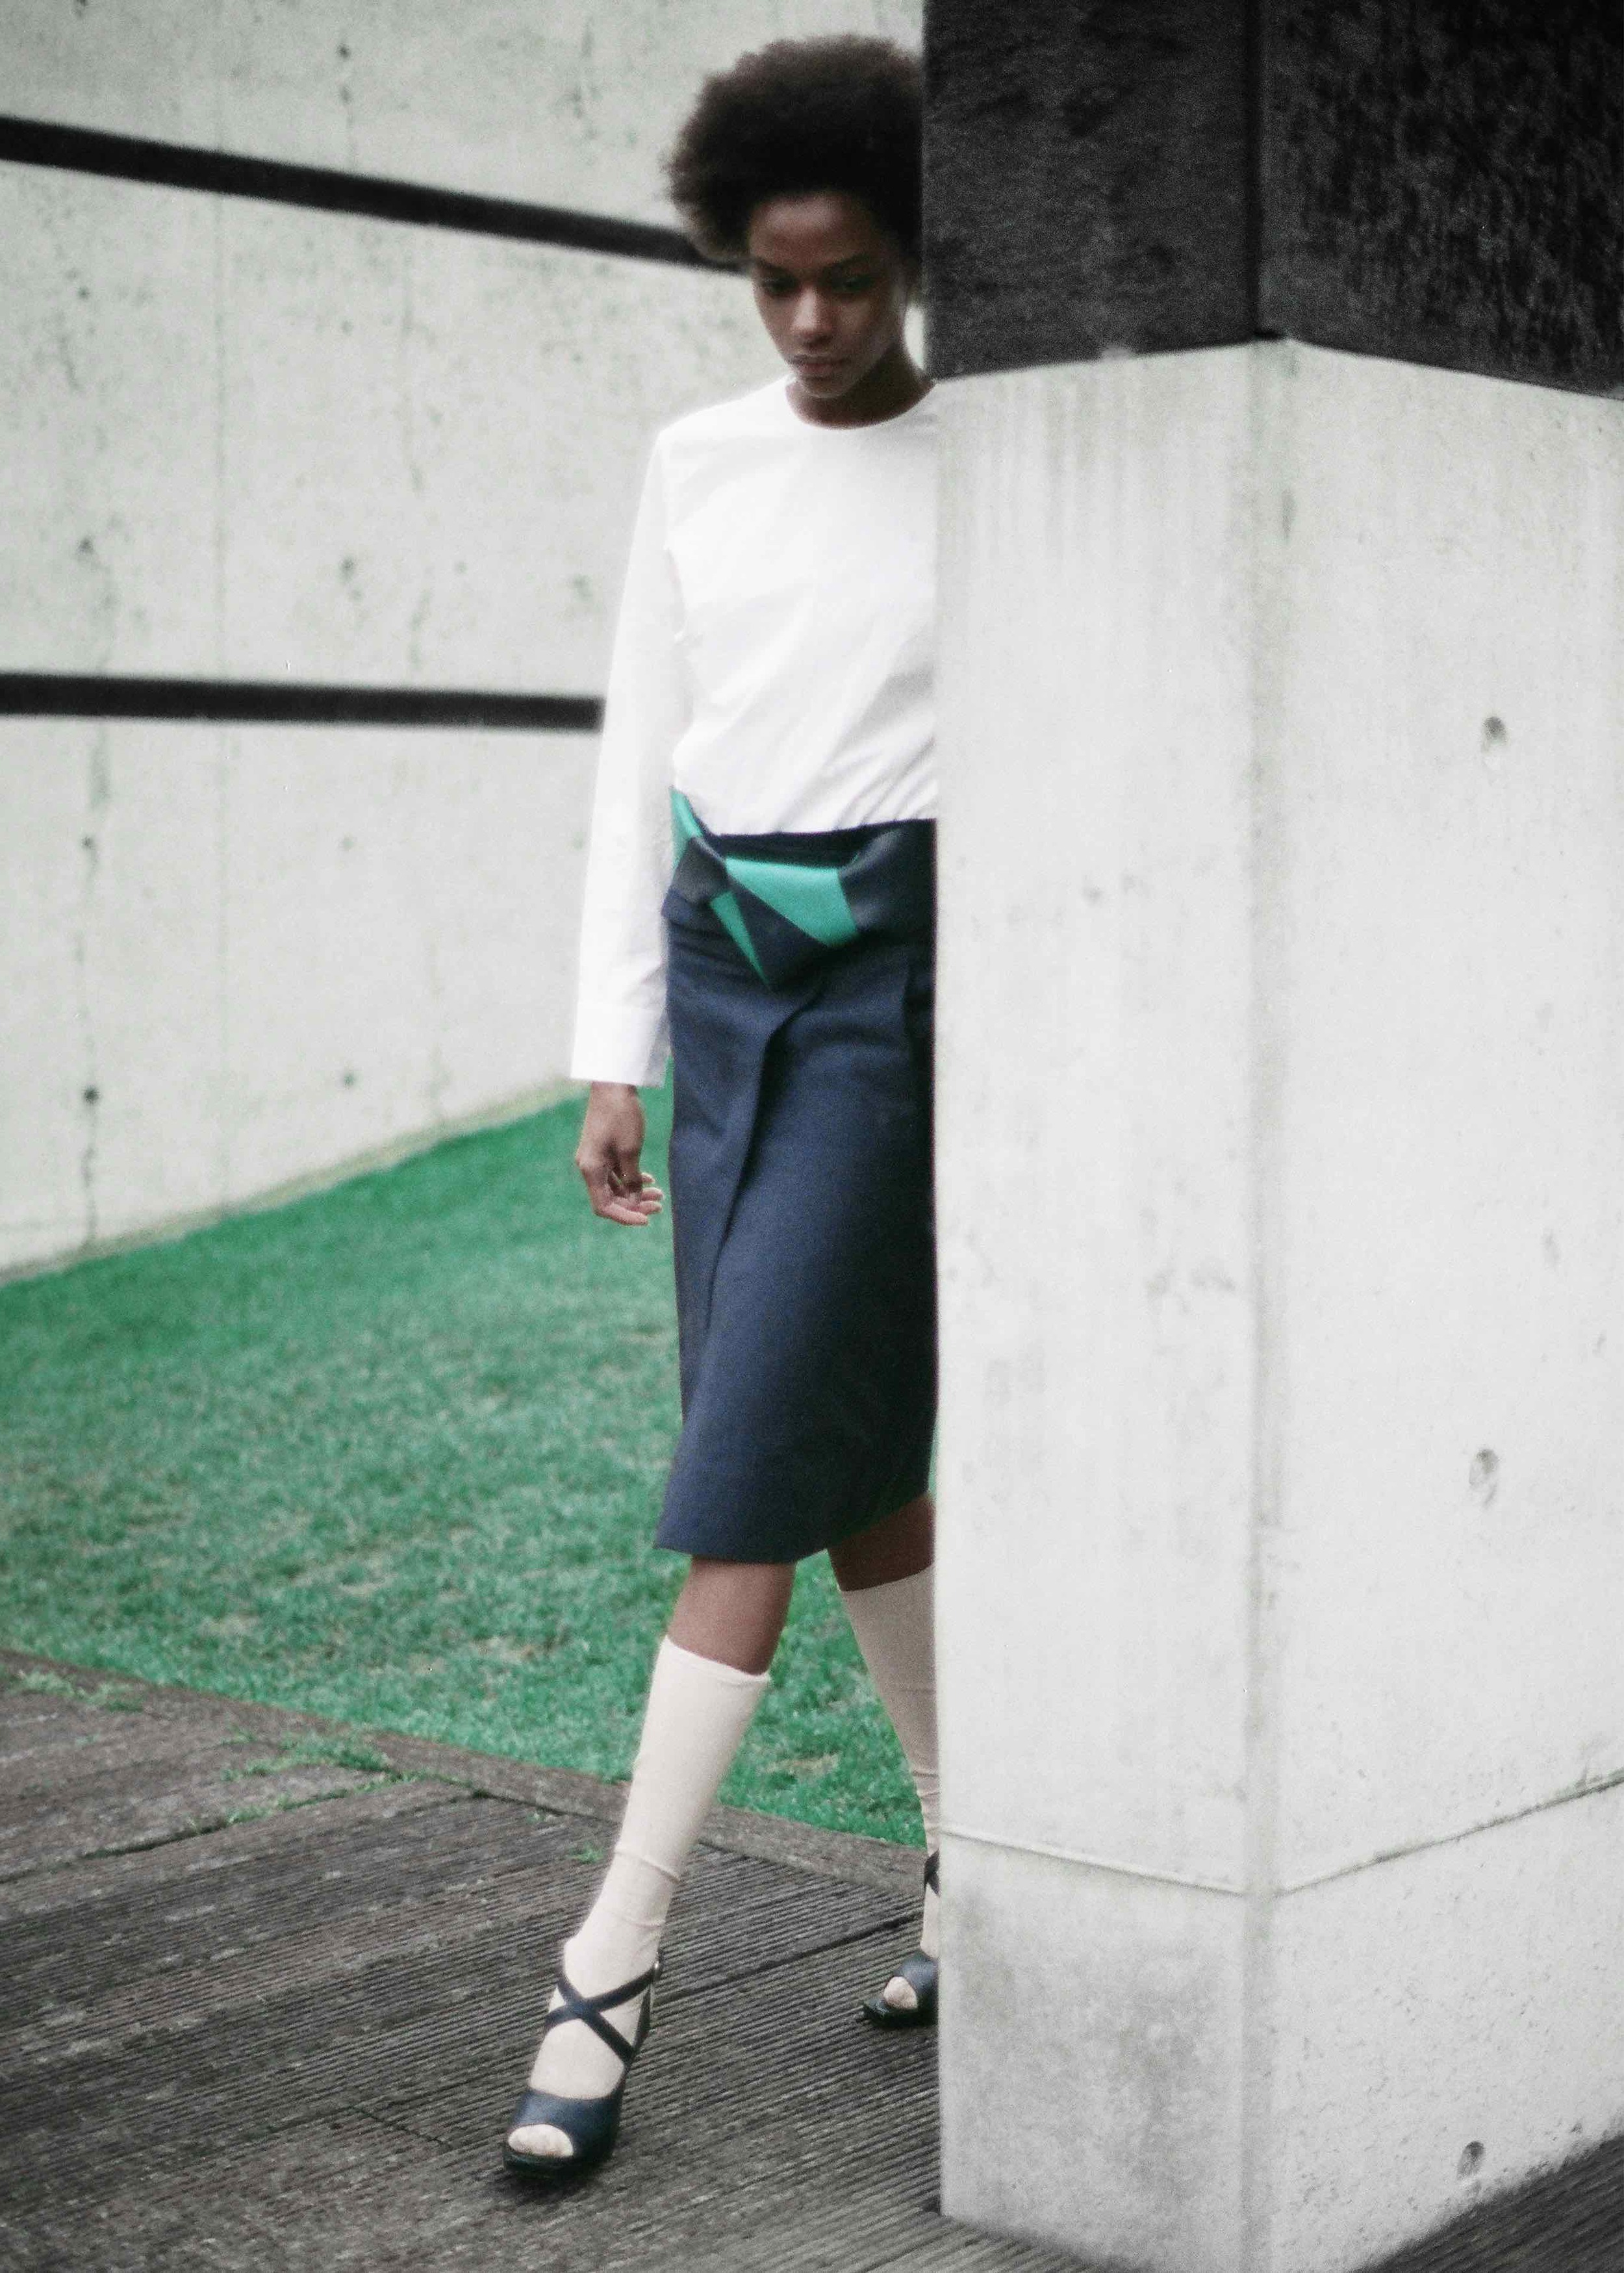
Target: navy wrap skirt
column 801, row 1200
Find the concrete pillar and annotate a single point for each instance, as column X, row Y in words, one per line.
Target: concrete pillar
column 1282, row 1120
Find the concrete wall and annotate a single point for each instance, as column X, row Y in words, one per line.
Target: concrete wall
column 1282, row 1200
column 236, row 956
column 565, row 101
column 241, row 440
column 253, row 442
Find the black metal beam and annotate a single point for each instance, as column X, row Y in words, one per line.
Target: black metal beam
column 128, row 158
column 278, row 703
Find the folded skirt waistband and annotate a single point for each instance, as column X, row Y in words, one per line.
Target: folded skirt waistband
column 787, row 897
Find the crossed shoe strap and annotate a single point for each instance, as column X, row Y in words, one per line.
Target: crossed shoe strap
column 932, row 1870
column 591, row 2010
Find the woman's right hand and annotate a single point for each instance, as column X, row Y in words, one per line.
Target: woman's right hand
column 609, row 1154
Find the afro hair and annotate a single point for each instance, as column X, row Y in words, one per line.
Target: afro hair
column 840, row 113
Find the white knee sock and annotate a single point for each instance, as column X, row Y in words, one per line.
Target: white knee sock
column 894, row 1626
column 696, row 1713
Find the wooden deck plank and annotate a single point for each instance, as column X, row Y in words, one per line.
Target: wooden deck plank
column 134, row 1759
column 46, row 1707
column 295, row 2043
column 350, row 2193
column 844, row 1855
column 167, row 1945
column 114, row 1814
column 336, row 2022
column 124, row 1750
column 85, row 1881
column 178, row 1968
column 775, row 2149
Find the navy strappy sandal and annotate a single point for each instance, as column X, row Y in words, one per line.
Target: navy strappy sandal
column 591, row 2126
column 919, row 1971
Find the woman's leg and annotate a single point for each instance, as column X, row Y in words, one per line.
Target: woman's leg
column 899, row 1546
column 708, row 1677
column 885, row 1581
column 733, row 1612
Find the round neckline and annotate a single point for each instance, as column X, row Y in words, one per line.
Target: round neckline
column 864, row 426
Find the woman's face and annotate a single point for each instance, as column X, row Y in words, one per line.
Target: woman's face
column 831, row 285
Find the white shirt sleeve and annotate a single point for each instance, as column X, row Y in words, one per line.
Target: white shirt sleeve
column 620, row 1029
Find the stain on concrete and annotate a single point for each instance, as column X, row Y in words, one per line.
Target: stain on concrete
column 98, row 796
column 439, row 1072
column 353, row 591
column 65, row 357
column 584, row 95
column 1483, row 1476
column 98, row 602
column 345, row 55
column 421, row 609
column 410, row 330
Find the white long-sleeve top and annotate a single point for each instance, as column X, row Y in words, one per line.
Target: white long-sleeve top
column 772, row 659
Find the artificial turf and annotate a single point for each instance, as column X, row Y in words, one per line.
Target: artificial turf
column 394, row 1454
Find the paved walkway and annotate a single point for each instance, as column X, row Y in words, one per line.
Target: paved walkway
column 268, row 1990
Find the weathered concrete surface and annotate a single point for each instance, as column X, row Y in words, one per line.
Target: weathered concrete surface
column 1282, row 1148
column 243, row 441
column 109, row 406
column 1430, row 181
column 240, row 956
column 570, row 104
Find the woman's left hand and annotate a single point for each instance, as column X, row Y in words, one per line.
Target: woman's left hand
column 609, row 1157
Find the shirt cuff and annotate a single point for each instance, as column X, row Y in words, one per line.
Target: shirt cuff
column 615, row 1044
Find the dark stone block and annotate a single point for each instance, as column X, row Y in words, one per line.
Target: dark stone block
column 1441, row 181
column 1086, row 179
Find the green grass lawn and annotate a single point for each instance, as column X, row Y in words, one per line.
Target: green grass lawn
column 395, row 1453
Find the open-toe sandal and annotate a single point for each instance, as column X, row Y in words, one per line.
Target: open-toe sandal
column 919, row 1971
column 591, row 2126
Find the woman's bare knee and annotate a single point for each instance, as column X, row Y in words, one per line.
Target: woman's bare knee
column 899, row 1546
column 733, row 1612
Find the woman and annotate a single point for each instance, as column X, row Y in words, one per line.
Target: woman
column 760, row 887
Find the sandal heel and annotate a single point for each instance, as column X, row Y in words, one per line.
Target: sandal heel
column 921, row 1973
column 591, row 2126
